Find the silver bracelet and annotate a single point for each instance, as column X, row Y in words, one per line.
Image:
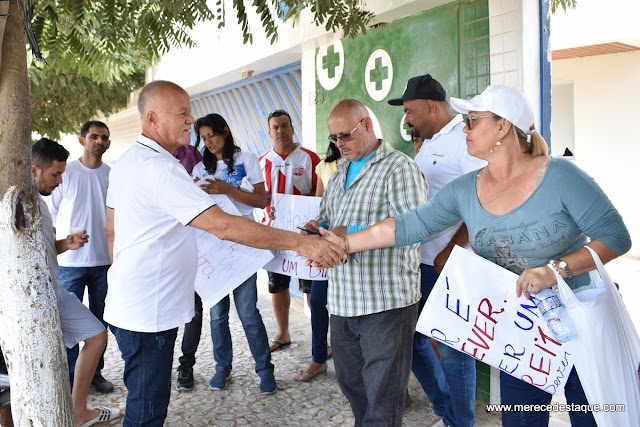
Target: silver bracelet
column 559, row 264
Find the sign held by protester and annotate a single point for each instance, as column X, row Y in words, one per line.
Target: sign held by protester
column 473, row 308
column 224, row 265
column 290, row 212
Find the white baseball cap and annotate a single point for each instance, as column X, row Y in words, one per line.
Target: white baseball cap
column 503, row 101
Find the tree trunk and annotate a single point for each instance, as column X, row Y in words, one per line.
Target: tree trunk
column 29, row 322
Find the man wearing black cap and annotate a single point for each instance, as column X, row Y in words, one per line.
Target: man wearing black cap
column 451, row 382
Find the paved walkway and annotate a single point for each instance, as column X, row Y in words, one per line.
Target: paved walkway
column 317, row 403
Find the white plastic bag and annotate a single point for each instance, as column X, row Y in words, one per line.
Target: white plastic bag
column 606, row 351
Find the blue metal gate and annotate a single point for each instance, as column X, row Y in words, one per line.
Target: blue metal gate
column 247, row 103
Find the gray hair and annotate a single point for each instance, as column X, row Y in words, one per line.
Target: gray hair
column 150, row 91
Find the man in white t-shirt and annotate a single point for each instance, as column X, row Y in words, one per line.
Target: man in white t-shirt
column 450, row 382
column 288, row 168
column 79, row 202
column 151, row 200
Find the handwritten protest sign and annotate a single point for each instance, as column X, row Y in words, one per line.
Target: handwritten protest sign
column 293, row 211
column 224, row 265
column 473, row 308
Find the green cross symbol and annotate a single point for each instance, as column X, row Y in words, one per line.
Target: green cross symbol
column 331, row 61
column 379, row 73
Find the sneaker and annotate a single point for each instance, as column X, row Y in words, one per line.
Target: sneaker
column 268, row 384
column 219, row 380
column 185, row 378
column 101, row 385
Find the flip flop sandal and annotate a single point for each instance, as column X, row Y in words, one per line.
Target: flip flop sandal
column 277, row 344
column 303, row 375
column 106, row 414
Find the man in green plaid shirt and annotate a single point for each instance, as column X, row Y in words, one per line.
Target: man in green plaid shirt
column 372, row 298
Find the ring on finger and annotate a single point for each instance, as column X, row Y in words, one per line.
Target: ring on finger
column 529, row 287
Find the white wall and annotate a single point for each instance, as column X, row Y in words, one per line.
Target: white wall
column 606, row 93
column 514, row 33
column 562, row 118
column 595, row 22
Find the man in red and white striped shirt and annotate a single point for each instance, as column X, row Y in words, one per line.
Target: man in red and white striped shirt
column 288, row 168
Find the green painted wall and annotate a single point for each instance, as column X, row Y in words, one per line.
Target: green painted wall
column 450, row 42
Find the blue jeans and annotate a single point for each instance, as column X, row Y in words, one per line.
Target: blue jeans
column 450, row 383
column 319, row 321
column 514, row 391
column 372, row 357
column 191, row 336
column 246, row 298
column 74, row 280
column 148, row 359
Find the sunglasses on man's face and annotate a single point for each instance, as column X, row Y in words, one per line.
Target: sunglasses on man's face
column 347, row 137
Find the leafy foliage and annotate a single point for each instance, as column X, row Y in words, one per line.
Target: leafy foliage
column 107, row 39
column 347, row 15
column 564, row 4
column 96, row 54
column 62, row 102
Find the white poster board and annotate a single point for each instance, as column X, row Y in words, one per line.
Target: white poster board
column 224, row 265
column 292, row 211
column 473, row 308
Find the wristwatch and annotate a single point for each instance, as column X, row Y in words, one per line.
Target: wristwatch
column 559, row 265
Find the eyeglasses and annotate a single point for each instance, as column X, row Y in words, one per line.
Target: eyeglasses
column 469, row 120
column 347, row 137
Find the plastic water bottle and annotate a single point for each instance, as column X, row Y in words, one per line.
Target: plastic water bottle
column 556, row 316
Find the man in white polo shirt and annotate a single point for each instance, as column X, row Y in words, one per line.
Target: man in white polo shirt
column 450, row 382
column 151, row 199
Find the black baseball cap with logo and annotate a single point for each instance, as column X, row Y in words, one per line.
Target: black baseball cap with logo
column 421, row 87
